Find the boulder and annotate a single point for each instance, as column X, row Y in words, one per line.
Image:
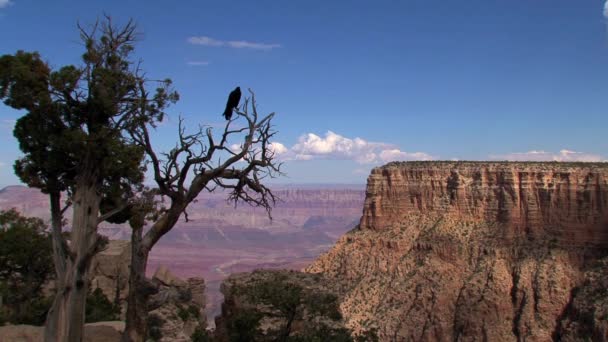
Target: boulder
column 93, row 332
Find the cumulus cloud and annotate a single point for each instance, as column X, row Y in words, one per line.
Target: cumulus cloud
column 237, row 44
column 5, row 3
column 563, row 156
column 197, row 63
column 334, row 146
column 278, row 149
column 606, row 9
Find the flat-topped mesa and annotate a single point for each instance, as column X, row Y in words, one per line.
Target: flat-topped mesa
column 564, row 201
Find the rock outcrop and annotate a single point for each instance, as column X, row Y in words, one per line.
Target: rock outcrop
column 178, row 308
column 93, row 332
column 476, row 251
column 110, row 272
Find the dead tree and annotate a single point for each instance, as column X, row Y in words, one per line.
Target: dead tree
column 239, row 161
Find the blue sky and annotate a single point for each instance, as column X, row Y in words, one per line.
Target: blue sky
column 358, row 83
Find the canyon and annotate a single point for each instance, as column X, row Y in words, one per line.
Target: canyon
column 463, row 251
column 219, row 239
column 493, row 251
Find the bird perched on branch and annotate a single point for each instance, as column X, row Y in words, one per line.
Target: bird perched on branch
column 233, row 101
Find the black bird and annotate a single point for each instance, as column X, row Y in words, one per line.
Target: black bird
column 233, row 101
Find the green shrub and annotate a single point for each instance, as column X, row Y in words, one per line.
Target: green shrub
column 100, row 309
column 194, row 311
column 243, row 327
column 182, row 313
column 200, row 335
column 25, row 267
column 154, row 325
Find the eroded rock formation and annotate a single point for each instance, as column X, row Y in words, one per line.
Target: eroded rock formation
column 477, row 251
column 110, row 271
column 177, row 307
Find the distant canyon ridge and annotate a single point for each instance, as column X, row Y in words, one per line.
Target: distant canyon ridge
column 220, row 239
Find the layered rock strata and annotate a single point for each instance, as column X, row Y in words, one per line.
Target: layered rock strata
column 476, row 251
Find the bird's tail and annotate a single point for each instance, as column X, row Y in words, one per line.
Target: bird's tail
column 228, row 113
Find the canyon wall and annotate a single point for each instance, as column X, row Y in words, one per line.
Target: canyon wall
column 491, row 251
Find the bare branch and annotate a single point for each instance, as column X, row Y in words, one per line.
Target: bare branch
column 214, row 163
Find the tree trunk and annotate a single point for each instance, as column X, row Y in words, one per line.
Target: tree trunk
column 140, row 288
column 51, row 332
column 68, row 311
column 139, row 291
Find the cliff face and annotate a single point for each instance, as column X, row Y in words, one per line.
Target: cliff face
column 534, row 200
column 473, row 251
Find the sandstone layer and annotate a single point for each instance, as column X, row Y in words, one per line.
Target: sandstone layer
column 476, row 251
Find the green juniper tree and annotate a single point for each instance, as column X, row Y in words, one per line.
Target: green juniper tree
column 73, row 138
column 25, row 257
column 86, row 132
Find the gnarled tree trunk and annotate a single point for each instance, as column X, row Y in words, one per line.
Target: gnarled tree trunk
column 139, row 290
column 56, row 313
column 65, row 321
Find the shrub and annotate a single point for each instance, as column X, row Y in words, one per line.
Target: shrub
column 155, row 324
column 25, row 266
column 100, row 309
column 200, row 335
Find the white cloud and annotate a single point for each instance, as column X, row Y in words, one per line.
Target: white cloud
column 395, row 154
column 334, row 146
column 606, row 9
column 241, row 44
column 207, row 41
column 563, row 156
column 278, row 149
column 237, row 44
column 5, row 3
column 197, row 63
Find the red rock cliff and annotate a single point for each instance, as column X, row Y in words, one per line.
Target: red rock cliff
column 491, row 251
column 549, row 200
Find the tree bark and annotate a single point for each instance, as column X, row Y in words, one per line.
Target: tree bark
column 139, row 291
column 51, row 332
column 66, row 318
column 140, row 288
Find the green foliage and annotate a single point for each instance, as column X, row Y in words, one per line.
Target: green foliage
column 323, row 334
column 324, row 304
column 182, row 313
column 192, row 311
column 370, row 335
column 154, row 325
column 243, row 326
column 25, row 266
column 289, row 301
column 99, row 308
column 200, row 335
column 77, row 117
